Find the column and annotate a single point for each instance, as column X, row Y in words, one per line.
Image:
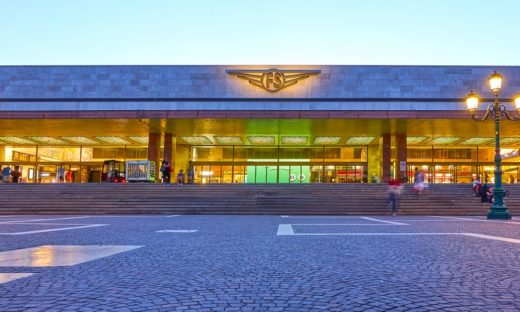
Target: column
column 387, row 155
column 168, row 151
column 154, row 147
column 401, row 156
column 374, row 162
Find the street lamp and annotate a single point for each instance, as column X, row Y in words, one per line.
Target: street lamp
column 498, row 209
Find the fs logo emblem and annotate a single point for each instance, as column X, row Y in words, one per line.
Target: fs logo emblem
column 273, row 80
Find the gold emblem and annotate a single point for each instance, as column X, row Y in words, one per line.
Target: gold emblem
column 273, row 80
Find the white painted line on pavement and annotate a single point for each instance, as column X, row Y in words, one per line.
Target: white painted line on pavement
column 53, row 219
column 177, row 231
column 498, row 238
column 384, row 221
column 369, row 234
column 285, row 229
column 59, row 255
column 172, row 216
column 8, row 277
column 54, row 230
column 322, row 217
column 478, row 220
column 363, row 224
column 38, row 223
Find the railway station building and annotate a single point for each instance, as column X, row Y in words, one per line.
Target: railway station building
column 256, row 124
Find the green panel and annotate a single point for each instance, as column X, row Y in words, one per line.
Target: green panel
column 284, row 174
column 261, row 174
column 250, row 177
column 272, row 174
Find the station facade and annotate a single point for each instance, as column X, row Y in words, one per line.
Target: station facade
column 255, row 124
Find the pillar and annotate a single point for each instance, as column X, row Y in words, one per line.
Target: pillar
column 387, row 156
column 168, row 151
column 374, row 162
column 401, row 156
column 182, row 156
column 154, row 147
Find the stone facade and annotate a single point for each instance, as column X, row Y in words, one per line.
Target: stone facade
column 178, row 88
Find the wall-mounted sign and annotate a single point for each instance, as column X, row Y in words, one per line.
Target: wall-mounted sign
column 273, row 80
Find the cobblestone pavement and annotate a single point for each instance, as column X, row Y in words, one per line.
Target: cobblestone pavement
column 239, row 263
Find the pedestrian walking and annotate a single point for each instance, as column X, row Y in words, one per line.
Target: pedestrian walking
column 394, row 192
column 418, row 182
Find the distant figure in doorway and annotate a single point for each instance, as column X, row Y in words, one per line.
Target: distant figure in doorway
column 61, row 174
column 394, row 192
column 180, row 177
column 166, row 171
column 191, row 175
column 418, row 182
column 16, row 174
column 6, row 173
column 69, row 176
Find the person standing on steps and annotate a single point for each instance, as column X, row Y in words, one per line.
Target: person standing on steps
column 180, row 177
column 394, row 192
column 418, row 182
column 6, row 174
column 166, row 171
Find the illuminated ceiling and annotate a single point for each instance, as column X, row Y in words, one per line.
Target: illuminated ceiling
column 421, row 132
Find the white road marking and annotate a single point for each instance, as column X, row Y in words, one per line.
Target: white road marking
column 321, row 217
column 377, row 234
column 53, row 219
column 384, row 221
column 483, row 220
column 38, row 223
column 177, row 231
column 285, row 229
column 54, row 230
column 498, row 238
column 348, row 224
column 172, row 216
column 8, row 277
column 59, row 255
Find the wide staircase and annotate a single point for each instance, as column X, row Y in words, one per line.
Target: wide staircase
column 300, row 199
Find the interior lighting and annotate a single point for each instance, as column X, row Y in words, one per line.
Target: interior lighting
column 16, row 140
column 113, row 140
column 322, row 140
column 359, row 140
column 197, row 140
column 262, row 140
column 229, row 140
column 294, row 140
column 80, row 140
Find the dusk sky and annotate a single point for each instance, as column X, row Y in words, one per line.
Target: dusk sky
column 406, row 32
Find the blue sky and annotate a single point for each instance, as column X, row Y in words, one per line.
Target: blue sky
column 407, row 32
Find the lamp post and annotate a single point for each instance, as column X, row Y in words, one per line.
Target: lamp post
column 498, row 209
